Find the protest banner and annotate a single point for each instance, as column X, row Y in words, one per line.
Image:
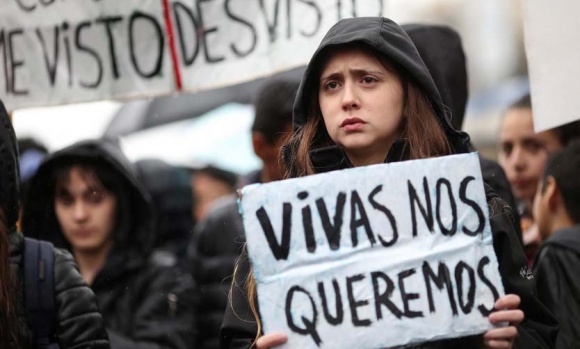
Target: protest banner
column 58, row 52
column 375, row 256
column 552, row 49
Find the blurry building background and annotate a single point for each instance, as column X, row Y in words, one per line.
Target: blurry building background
column 492, row 33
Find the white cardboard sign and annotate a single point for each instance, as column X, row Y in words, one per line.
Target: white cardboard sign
column 551, row 32
column 375, row 256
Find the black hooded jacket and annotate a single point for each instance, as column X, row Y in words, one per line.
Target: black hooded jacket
column 539, row 329
column 145, row 304
column 558, row 283
column 78, row 322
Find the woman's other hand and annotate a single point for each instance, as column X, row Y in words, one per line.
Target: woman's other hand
column 506, row 311
column 272, row 340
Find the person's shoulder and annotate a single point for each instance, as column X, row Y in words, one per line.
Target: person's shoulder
column 63, row 256
column 554, row 252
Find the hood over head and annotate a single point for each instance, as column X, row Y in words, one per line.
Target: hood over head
column 9, row 173
column 133, row 233
column 384, row 37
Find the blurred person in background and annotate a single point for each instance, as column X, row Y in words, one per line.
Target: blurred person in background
column 86, row 198
column 441, row 49
column 77, row 323
column 217, row 239
column 170, row 190
column 523, row 154
column 210, row 183
column 557, row 214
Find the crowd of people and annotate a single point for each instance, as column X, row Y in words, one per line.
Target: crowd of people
column 150, row 255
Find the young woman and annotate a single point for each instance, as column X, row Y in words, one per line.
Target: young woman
column 86, row 198
column 367, row 98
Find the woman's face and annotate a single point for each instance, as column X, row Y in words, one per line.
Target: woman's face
column 523, row 153
column 86, row 212
column 361, row 104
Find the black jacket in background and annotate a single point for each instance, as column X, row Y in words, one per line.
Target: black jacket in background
column 441, row 49
column 556, row 270
column 145, row 304
column 539, row 329
column 216, row 245
column 78, row 323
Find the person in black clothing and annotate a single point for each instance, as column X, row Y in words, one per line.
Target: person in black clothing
column 78, row 323
column 86, row 198
column 209, row 184
column 367, row 98
column 170, row 190
column 217, row 240
column 441, row 49
column 557, row 213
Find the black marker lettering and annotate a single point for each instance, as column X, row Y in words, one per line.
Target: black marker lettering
column 332, row 230
column 83, row 48
column 474, row 205
column 388, row 214
column 309, row 324
column 406, row 297
column 109, row 22
column 246, row 23
column 307, row 224
column 204, row 34
column 442, row 279
column 14, row 63
column 315, row 7
column 50, row 66
column 333, row 320
column 272, row 27
column 279, row 250
column 67, row 52
column 426, row 213
column 355, row 303
column 137, row 15
column 465, row 306
column 451, row 231
column 187, row 58
column 384, row 297
column 356, row 205
column 482, row 263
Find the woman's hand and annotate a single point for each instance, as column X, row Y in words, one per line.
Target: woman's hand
column 506, row 311
column 273, row 339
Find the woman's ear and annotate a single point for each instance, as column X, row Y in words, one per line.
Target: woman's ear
column 262, row 148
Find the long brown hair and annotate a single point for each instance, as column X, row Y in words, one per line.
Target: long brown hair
column 421, row 130
column 8, row 323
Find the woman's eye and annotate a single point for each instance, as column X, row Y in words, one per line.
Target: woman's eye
column 331, row 85
column 95, row 197
column 64, row 200
column 368, row 80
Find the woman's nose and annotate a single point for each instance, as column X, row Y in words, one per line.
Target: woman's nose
column 518, row 158
column 80, row 211
column 350, row 98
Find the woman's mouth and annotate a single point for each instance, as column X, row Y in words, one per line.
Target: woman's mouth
column 352, row 124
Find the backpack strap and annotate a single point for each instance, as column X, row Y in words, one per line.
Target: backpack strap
column 39, row 289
